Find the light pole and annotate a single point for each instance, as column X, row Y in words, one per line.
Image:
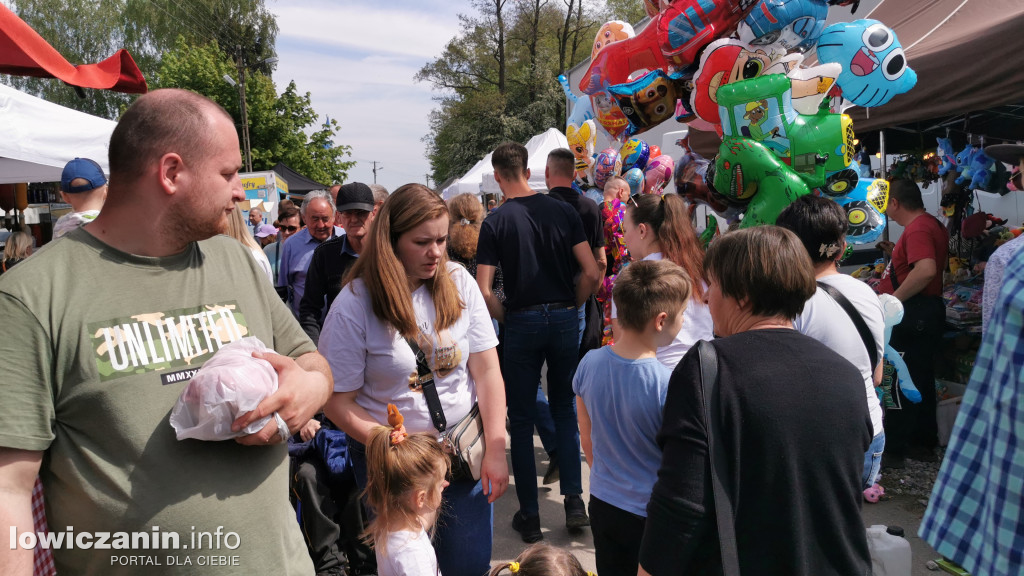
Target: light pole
column 241, row 99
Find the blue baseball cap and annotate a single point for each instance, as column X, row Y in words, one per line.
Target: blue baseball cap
column 85, row 169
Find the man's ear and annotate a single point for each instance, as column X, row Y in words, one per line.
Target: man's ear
column 527, row 174
column 171, row 172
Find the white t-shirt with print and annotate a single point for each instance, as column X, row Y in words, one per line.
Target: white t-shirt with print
column 697, row 325
column 408, row 554
column 825, row 320
column 369, row 355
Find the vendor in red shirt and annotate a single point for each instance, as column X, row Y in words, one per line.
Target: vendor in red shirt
column 914, row 275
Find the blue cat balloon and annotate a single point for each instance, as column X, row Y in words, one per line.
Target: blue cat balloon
column 874, row 66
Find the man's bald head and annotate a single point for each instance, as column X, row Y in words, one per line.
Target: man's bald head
column 158, row 123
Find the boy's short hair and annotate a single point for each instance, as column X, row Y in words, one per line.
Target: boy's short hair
column 647, row 288
column 510, row 160
column 615, row 181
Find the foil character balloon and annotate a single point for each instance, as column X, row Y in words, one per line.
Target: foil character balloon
column 635, row 178
column 655, row 150
column 670, row 42
column 634, row 154
column 784, row 25
column 650, row 99
column 610, row 33
column 581, row 107
column 865, row 211
column 582, row 141
column 606, row 165
column 658, row 174
column 874, row 66
column 745, row 170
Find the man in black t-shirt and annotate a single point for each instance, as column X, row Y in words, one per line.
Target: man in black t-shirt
column 540, row 245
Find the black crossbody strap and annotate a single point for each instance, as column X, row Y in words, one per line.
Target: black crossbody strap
column 858, row 320
column 426, row 381
column 719, row 459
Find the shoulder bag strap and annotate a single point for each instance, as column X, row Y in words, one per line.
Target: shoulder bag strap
column 719, row 459
column 426, row 381
column 858, row 320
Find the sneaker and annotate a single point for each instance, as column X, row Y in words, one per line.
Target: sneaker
column 575, row 513
column 552, row 475
column 528, row 527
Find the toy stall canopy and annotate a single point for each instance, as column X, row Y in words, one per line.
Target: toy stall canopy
column 468, row 183
column 969, row 59
column 298, row 185
column 37, row 138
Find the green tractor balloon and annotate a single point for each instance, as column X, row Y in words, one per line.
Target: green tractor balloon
column 771, row 155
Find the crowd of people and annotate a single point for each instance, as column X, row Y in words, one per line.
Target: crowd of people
column 724, row 398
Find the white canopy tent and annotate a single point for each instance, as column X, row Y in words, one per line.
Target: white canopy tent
column 538, row 148
column 37, row 138
column 469, row 183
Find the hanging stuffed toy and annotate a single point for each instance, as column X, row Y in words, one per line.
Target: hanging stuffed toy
column 945, row 153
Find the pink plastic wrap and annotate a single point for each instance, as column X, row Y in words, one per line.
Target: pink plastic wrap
column 228, row 385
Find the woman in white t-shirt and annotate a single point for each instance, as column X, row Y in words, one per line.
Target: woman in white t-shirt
column 821, row 225
column 402, row 286
column 658, row 227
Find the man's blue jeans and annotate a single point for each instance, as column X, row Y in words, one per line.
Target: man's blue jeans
column 531, row 338
column 545, row 425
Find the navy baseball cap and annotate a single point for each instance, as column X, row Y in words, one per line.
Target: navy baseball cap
column 85, row 169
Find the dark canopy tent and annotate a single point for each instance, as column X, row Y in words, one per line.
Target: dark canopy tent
column 969, row 60
column 298, row 185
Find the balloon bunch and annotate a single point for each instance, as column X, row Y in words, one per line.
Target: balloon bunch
column 736, row 67
column 641, row 165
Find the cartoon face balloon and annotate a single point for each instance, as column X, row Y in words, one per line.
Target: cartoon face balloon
column 606, row 165
column 874, row 66
column 787, row 25
column 634, row 154
column 582, row 141
column 610, row 33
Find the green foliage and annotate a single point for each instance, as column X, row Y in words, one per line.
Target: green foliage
column 496, row 80
column 277, row 124
column 631, row 11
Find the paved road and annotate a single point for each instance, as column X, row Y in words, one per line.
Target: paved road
column 898, row 511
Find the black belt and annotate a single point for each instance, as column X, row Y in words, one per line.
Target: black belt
column 547, row 306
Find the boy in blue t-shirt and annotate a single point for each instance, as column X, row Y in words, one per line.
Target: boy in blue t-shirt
column 620, row 391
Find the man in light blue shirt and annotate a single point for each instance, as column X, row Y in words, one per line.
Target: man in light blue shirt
column 318, row 213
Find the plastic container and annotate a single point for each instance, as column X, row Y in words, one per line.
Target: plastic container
column 890, row 551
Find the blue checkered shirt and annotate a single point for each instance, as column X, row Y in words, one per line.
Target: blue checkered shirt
column 976, row 513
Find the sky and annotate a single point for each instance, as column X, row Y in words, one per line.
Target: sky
column 358, row 59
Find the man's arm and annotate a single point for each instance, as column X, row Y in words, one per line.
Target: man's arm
column 313, row 299
column 590, row 276
column 485, row 279
column 304, row 385
column 921, row 274
column 18, row 471
column 602, row 261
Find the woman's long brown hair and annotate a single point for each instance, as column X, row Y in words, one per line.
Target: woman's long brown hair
column 670, row 221
column 382, row 271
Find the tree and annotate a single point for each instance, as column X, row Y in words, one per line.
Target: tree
column 277, row 124
column 496, row 80
column 148, row 29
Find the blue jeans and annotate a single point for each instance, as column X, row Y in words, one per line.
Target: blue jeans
column 545, row 424
column 531, row 338
column 873, row 460
column 465, row 527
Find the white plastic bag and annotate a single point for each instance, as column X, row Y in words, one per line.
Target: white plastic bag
column 228, row 385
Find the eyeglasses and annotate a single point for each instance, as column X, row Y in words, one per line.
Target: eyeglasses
column 288, row 228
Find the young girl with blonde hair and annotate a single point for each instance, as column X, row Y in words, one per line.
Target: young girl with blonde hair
column 237, row 230
column 403, row 291
column 543, row 560
column 406, row 474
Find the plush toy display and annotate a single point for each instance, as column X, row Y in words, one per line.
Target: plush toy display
column 982, row 167
column 946, row 155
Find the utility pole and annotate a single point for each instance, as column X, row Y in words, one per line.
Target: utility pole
column 245, row 111
column 375, row 169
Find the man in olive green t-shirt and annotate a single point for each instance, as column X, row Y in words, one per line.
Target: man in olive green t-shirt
column 109, row 324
